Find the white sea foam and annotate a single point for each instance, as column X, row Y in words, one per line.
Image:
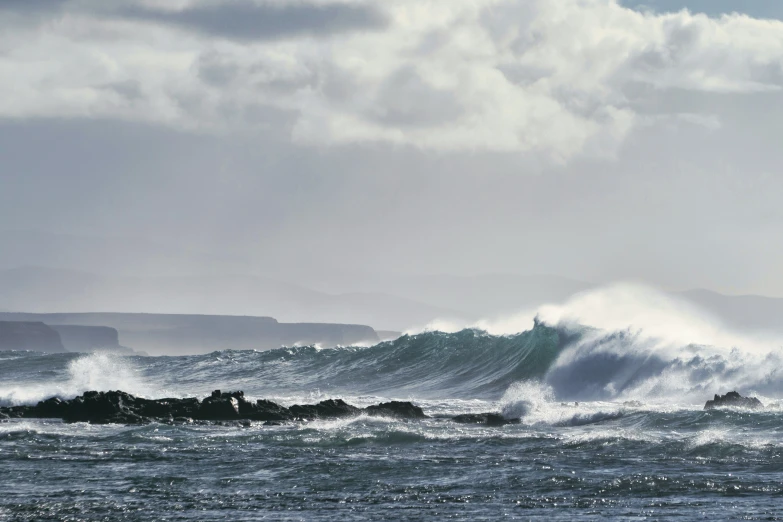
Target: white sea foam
column 99, row 371
column 639, row 343
column 619, row 307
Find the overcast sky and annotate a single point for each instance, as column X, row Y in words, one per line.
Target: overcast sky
column 586, row 138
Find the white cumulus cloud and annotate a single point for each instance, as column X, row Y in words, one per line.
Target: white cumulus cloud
column 553, row 79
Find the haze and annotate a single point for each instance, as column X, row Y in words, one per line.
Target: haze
column 387, row 163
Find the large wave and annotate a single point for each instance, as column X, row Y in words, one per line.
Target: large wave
column 584, row 350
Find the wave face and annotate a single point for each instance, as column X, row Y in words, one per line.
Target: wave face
column 571, row 363
column 465, row 364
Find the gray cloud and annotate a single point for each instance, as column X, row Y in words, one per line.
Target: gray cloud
column 128, row 89
column 406, row 99
column 248, row 20
column 215, row 71
column 32, row 6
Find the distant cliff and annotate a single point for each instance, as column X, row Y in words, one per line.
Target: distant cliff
column 88, row 338
column 159, row 334
column 33, row 336
column 325, row 334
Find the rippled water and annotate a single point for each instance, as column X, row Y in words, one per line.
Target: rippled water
column 686, row 464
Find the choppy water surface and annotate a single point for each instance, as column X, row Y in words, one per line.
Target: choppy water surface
column 637, row 445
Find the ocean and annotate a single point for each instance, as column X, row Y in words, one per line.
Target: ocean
column 612, row 426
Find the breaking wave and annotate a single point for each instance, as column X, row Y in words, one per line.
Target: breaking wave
column 575, row 352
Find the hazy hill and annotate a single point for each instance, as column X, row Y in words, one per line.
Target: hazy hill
column 138, row 275
column 106, row 255
column 743, row 311
column 475, row 297
column 80, row 338
column 486, row 295
column 37, row 289
column 163, row 334
column 29, row 335
column 396, row 303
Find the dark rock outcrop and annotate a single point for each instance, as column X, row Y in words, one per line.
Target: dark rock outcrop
column 33, row 336
column 489, row 419
column 396, row 409
column 733, row 400
column 333, row 408
column 270, row 412
column 221, row 406
column 122, row 408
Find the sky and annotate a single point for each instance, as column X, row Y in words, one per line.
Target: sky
column 592, row 139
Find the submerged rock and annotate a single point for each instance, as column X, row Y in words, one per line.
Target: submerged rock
column 489, row 419
column 733, row 400
column 117, row 407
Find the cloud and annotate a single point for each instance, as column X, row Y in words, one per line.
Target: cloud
column 31, row 6
column 553, row 81
column 248, row 20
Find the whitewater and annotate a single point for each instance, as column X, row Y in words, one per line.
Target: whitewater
column 609, row 388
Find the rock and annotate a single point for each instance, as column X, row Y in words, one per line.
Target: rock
column 333, row 408
column 122, row 408
column 396, row 409
column 733, row 400
column 489, row 419
column 220, row 406
column 99, row 408
column 53, row 407
column 270, row 412
column 158, row 408
column 18, row 412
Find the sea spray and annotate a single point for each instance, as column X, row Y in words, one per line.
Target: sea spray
column 85, row 372
column 525, row 398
